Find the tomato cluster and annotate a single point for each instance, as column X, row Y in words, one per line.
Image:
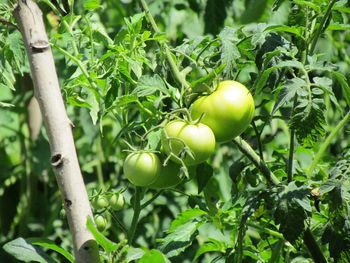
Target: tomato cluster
column 218, row 117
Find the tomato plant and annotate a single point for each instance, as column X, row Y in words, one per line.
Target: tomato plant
column 192, row 143
column 142, row 168
column 227, row 111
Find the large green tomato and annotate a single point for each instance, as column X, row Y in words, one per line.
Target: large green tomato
column 227, row 111
column 169, row 176
column 142, row 168
column 199, row 139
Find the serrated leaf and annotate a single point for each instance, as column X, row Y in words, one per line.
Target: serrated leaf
column 26, row 252
column 148, row 85
column 184, row 217
column 261, row 81
column 178, row 240
column 153, row 139
column 289, row 89
column 229, row 50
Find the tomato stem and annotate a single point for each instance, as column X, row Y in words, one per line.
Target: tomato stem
column 135, row 218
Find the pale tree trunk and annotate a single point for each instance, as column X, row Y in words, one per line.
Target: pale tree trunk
column 59, row 129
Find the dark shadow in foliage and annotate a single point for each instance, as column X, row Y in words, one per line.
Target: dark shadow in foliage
column 336, row 190
column 272, row 41
column 215, row 15
column 290, row 212
column 254, row 9
column 339, row 244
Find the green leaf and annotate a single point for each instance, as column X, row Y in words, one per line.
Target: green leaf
column 148, row 85
column 184, row 217
column 152, row 256
column 338, row 27
column 229, row 50
column 204, row 172
column 92, row 4
column 6, row 105
column 344, row 85
column 289, row 90
column 295, row 30
column 134, row 254
column 104, row 242
column 26, row 252
column 212, row 245
column 47, row 243
column 255, row 9
column 328, row 186
column 179, row 239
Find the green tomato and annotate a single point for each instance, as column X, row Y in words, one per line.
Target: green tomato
column 169, row 176
column 199, row 139
column 142, row 168
column 100, row 202
column 116, row 201
column 228, row 111
column 100, row 223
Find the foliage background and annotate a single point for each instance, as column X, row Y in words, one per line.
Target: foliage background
column 117, row 84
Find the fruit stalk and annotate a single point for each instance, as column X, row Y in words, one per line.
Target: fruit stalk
column 59, row 129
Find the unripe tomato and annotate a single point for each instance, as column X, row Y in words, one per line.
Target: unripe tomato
column 199, row 138
column 227, row 111
column 100, row 222
column 169, row 176
column 116, row 201
column 142, row 168
column 100, row 202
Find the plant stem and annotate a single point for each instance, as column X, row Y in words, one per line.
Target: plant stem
column 291, row 146
column 257, row 133
column 313, row 247
column 321, row 27
column 151, row 199
column 265, row 230
column 135, row 218
column 245, row 148
column 326, row 144
column 276, row 252
column 177, row 74
column 291, row 154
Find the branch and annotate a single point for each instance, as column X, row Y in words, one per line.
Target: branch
column 63, row 154
column 179, row 76
column 245, row 148
column 308, row 238
column 8, row 23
